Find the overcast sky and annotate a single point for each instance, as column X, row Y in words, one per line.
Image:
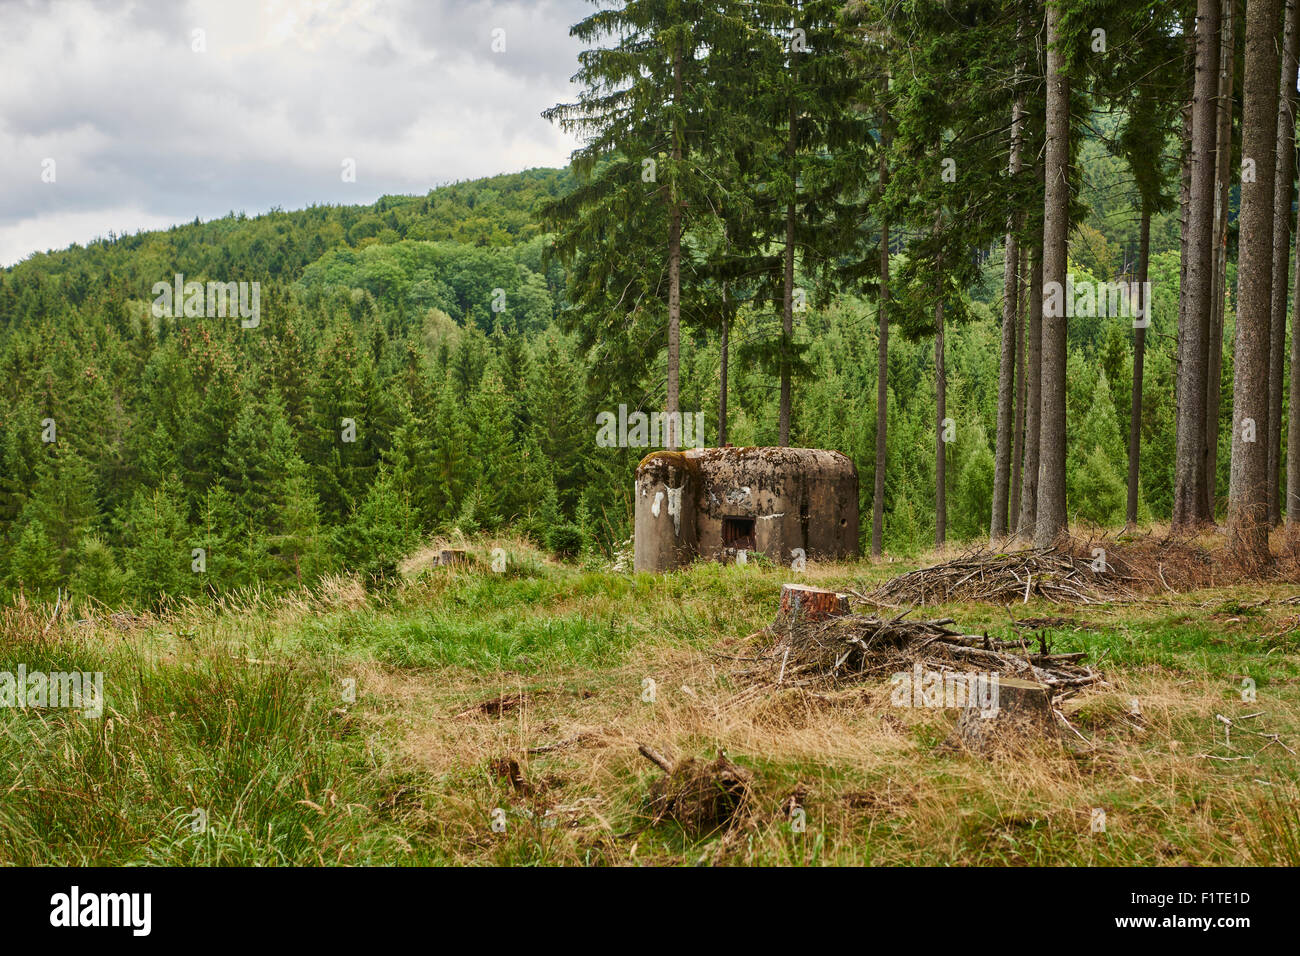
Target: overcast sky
column 144, row 131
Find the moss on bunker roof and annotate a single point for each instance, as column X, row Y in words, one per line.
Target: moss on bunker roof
column 693, row 459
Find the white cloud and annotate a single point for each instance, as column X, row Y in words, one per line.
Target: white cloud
column 61, row 229
column 147, row 132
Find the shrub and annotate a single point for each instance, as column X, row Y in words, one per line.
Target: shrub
column 565, row 539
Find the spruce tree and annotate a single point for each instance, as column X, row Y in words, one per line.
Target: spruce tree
column 158, row 551
column 301, row 544
column 97, row 574
column 381, row 531
column 33, row 562
column 63, row 501
column 800, row 162
column 645, row 115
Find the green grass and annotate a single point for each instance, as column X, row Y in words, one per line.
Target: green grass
column 244, row 714
column 245, row 744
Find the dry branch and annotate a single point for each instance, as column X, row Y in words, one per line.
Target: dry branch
column 1009, row 577
column 859, row 646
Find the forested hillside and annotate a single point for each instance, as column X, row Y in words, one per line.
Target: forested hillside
column 433, row 363
column 181, row 433
column 129, row 440
column 317, row 544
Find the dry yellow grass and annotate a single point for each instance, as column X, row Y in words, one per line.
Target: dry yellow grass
column 573, row 648
column 877, row 789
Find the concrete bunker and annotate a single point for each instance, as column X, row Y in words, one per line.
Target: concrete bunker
column 712, row 503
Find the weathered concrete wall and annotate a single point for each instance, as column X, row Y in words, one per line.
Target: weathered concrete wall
column 796, row 497
column 664, row 529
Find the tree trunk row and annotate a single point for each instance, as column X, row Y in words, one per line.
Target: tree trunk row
column 1248, row 510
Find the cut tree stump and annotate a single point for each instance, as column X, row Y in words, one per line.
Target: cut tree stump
column 812, row 604
column 1023, row 716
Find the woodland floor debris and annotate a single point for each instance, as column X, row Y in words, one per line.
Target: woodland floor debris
column 495, row 706
column 941, row 667
column 507, row 768
column 856, row 647
column 1051, row 623
column 702, row 797
column 1007, row 577
column 1081, row 571
column 579, row 738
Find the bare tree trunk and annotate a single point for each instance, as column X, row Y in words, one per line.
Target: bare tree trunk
column 1006, row 367
column 1018, row 442
column 722, row 385
column 674, row 321
column 1190, row 462
column 940, row 445
column 1293, row 425
column 1282, row 191
column 1222, row 187
column 1185, row 184
column 882, row 370
column 1248, row 484
column 674, row 278
column 1052, row 520
column 1139, row 361
column 1006, row 394
column 1034, row 401
column 787, row 304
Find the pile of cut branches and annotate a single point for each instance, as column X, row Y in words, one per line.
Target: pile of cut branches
column 1000, row 577
column 856, row 646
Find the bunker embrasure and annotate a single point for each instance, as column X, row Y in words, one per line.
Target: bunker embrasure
column 713, row 503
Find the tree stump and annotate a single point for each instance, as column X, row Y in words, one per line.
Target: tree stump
column 1022, row 716
column 812, row 604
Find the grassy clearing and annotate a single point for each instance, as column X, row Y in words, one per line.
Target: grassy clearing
column 323, row 729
